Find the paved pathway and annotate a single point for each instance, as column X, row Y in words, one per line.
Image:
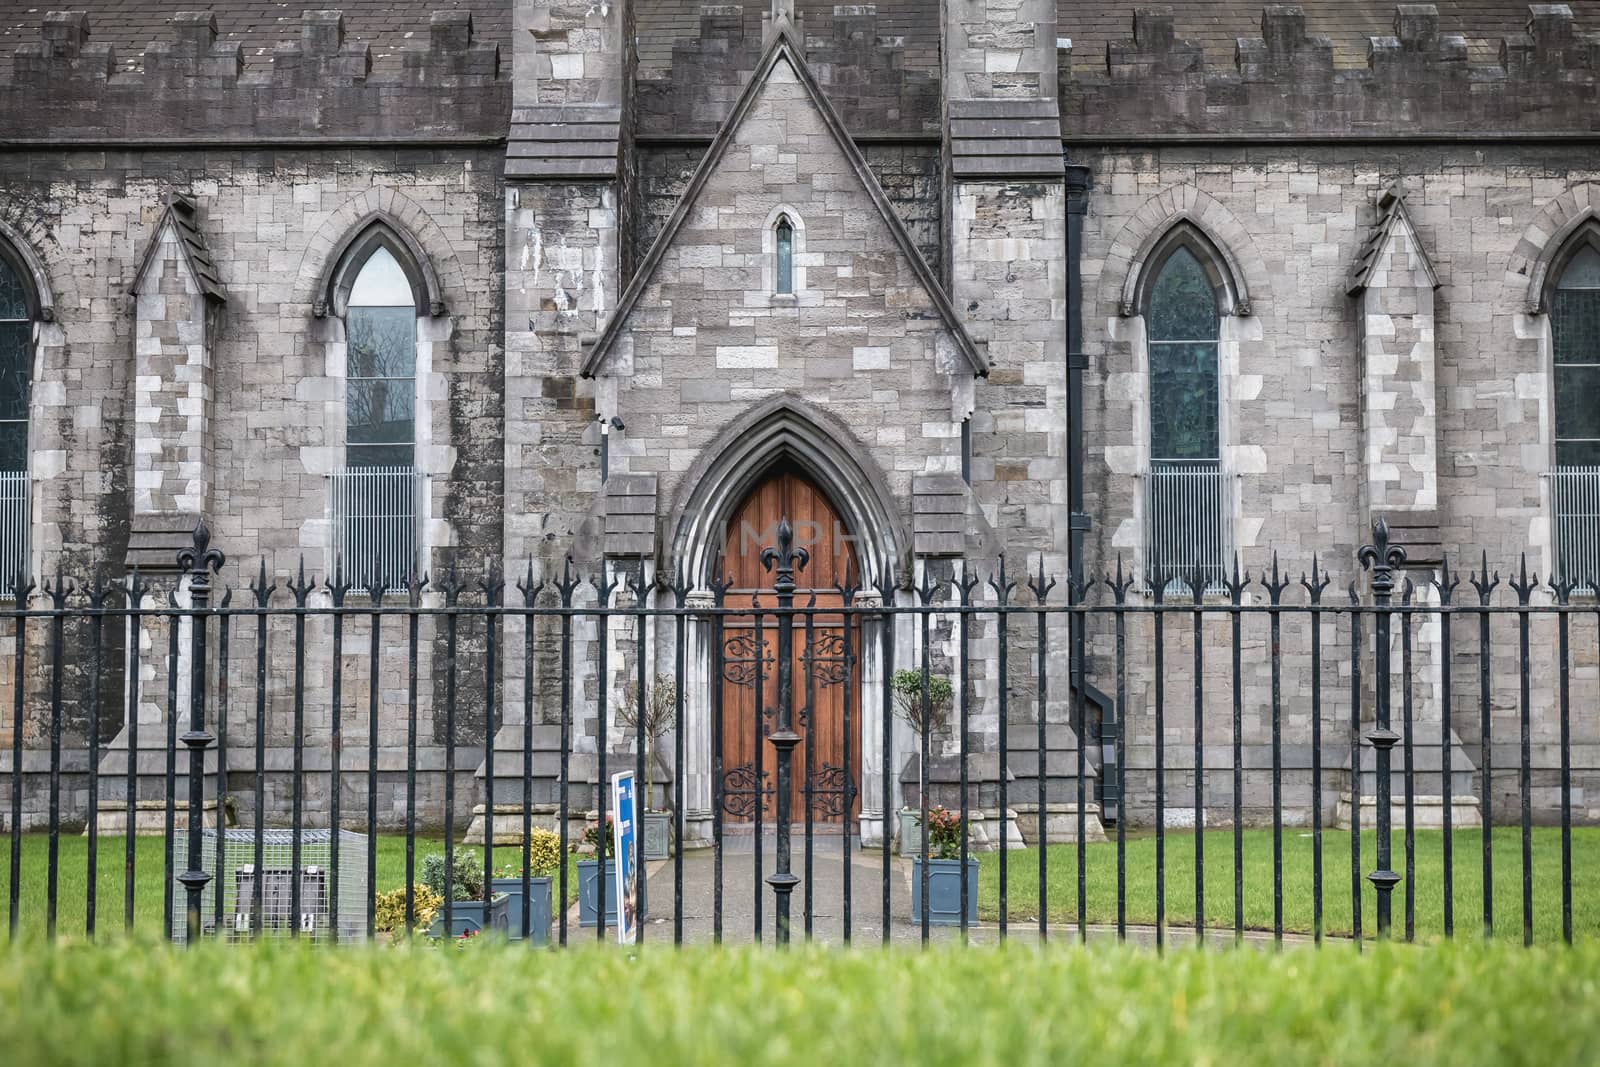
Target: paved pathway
column 866, row 919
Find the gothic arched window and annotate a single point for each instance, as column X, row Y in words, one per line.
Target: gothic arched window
column 1187, row 493
column 18, row 309
column 1574, row 304
column 16, row 366
column 377, row 497
column 381, row 366
column 1181, row 328
column 1575, row 339
column 785, row 244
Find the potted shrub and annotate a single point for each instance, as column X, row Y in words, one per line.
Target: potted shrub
column 469, row 912
column 544, row 862
column 660, row 708
column 944, row 873
column 907, row 689
column 597, row 842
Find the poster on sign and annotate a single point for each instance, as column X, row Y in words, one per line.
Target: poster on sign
column 624, row 829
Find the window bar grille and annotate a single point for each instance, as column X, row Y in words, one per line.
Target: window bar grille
column 1188, row 526
column 16, row 491
column 1575, row 508
column 376, row 517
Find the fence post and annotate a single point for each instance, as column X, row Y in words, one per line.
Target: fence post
column 1381, row 558
column 787, row 559
column 199, row 561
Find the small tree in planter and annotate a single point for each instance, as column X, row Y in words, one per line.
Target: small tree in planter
column 658, row 715
column 544, row 862
column 944, row 873
column 469, row 911
column 597, row 841
column 906, row 687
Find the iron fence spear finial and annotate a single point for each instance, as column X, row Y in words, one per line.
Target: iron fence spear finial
column 199, row 561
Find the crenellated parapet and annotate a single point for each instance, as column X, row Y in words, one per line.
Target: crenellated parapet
column 1417, row 80
column 861, row 69
column 65, row 87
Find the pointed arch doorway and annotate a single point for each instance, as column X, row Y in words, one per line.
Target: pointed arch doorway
column 826, row 662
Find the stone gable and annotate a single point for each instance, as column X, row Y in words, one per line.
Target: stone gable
column 861, row 336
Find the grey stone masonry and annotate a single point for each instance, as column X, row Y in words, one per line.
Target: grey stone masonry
column 939, row 515
column 861, row 69
column 176, row 297
column 65, row 87
column 1284, row 81
column 572, row 72
column 631, row 515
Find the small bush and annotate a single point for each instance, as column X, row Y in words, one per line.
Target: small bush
column 544, row 856
column 468, row 881
column 389, row 916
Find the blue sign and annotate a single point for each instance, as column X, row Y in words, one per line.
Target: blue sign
column 625, row 834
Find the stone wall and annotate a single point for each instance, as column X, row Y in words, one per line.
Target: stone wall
column 1295, row 222
column 271, row 220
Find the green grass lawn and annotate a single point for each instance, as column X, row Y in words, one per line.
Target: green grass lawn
column 149, row 876
column 1464, row 1004
column 1022, row 896
column 1023, row 878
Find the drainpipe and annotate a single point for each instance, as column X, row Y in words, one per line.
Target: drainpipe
column 1095, row 702
column 605, row 445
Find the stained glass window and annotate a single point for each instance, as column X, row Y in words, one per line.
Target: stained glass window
column 785, row 256
column 381, row 369
column 1181, row 329
column 1575, row 331
column 16, row 370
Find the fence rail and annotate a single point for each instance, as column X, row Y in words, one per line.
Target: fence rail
column 229, row 656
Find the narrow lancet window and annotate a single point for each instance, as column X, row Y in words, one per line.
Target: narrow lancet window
column 785, row 285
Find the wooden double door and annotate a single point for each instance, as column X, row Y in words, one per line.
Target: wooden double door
column 826, row 664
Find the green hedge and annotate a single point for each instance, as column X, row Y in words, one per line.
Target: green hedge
column 1459, row 1004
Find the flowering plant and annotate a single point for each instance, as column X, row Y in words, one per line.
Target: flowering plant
column 595, row 838
column 944, row 834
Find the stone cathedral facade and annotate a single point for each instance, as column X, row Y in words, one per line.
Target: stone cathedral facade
column 531, row 280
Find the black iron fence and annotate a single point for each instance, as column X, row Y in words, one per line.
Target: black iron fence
column 1000, row 720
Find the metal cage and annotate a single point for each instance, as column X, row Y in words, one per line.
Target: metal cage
column 233, row 916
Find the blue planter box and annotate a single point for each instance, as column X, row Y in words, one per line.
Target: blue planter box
column 538, row 907
column 468, row 916
column 944, row 891
column 589, row 892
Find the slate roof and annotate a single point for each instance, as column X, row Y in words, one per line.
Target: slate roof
column 389, row 25
column 180, row 212
column 386, row 26
column 1213, row 24
column 1391, row 213
column 662, row 23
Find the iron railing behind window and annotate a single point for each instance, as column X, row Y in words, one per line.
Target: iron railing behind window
column 16, row 493
column 1188, row 521
column 1575, row 511
column 377, row 523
